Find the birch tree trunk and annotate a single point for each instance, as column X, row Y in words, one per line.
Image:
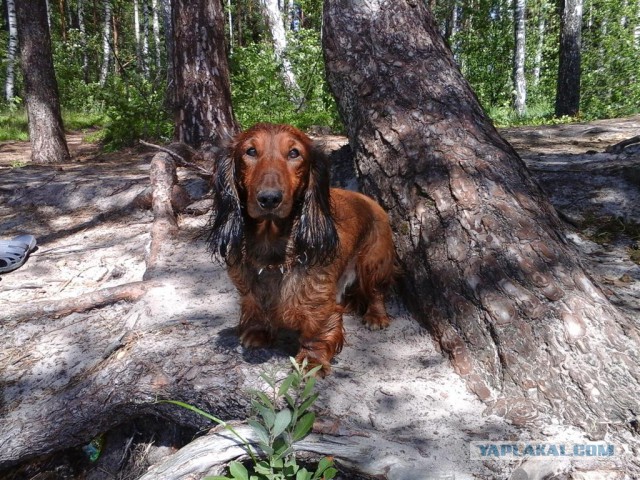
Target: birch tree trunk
column 46, row 131
column 12, row 49
column 519, row 80
column 83, row 41
column 106, row 43
column 202, row 94
column 568, row 90
column 537, row 61
column 145, row 37
column 156, row 34
column 136, row 30
column 636, row 30
column 170, row 49
column 486, row 266
column 273, row 17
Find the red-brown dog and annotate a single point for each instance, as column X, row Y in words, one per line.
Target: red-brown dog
column 298, row 251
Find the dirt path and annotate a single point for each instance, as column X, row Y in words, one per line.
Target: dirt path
column 91, row 235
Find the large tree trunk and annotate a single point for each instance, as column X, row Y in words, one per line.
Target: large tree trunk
column 485, row 264
column 202, row 100
column 568, row 91
column 46, row 131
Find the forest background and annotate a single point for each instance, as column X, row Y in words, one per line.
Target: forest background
column 110, row 59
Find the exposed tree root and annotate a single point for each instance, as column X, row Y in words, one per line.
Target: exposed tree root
column 360, row 453
column 129, row 292
column 620, row 146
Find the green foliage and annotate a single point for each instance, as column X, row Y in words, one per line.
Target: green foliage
column 537, row 114
column 610, row 78
column 483, row 48
column 13, row 125
column 134, row 109
column 258, row 91
column 282, row 416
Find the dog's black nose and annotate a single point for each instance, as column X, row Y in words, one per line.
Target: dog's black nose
column 269, row 198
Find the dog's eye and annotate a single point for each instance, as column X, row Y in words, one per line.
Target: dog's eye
column 251, row 152
column 294, row 153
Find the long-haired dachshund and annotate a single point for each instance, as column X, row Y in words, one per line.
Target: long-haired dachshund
column 300, row 253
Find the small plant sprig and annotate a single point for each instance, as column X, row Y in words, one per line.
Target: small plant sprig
column 281, row 418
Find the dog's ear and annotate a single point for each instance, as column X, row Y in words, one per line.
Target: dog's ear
column 227, row 224
column 314, row 234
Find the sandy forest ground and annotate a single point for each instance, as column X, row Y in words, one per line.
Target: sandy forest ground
column 394, row 381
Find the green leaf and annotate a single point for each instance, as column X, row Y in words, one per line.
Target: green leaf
column 303, row 474
column 238, row 471
column 265, row 400
column 217, row 477
column 267, row 414
column 196, row 410
column 309, row 387
column 260, row 431
column 286, row 384
column 283, row 419
column 262, row 468
column 329, row 473
column 268, row 379
column 323, row 464
column 308, row 402
column 303, row 426
column 311, row 373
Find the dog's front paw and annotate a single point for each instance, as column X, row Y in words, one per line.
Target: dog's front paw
column 256, row 338
column 375, row 321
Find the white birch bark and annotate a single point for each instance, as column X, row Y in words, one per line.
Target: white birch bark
column 83, row 41
column 106, row 44
column 145, row 38
column 519, row 80
column 48, row 13
column 156, row 32
column 136, row 29
column 537, row 61
column 12, row 49
column 273, row 16
column 230, row 26
column 636, row 30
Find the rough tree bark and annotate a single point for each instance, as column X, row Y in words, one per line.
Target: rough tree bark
column 568, row 90
column 202, row 99
column 519, row 80
column 485, row 264
column 46, row 131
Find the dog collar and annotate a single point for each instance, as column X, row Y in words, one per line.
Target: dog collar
column 285, row 266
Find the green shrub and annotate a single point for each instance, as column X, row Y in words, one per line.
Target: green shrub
column 281, row 417
column 134, row 109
